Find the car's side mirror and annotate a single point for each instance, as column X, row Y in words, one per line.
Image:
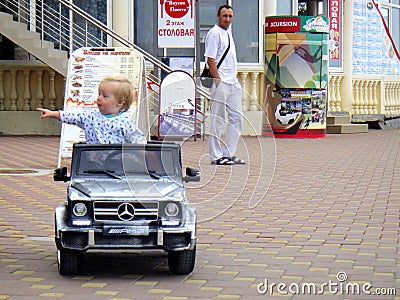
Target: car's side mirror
column 60, row 174
column 191, row 175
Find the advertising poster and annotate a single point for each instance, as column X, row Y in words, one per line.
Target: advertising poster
column 176, row 24
column 301, row 60
column 306, row 108
column 334, row 29
column 87, row 67
column 177, row 116
column 373, row 50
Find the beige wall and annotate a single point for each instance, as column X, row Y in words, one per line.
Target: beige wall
column 27, row 122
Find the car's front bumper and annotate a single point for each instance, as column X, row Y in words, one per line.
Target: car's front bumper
column 165, row 238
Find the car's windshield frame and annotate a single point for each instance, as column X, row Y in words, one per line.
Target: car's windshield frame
column 155, row 162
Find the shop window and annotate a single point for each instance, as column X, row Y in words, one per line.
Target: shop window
column 284, row 7
column 208, row 18
column 245, row 29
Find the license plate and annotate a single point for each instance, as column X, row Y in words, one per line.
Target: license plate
column 126, row 230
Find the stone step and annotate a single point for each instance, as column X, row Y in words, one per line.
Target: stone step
column 346, row 128
column 346, row 119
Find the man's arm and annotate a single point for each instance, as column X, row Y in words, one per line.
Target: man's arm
column 212, row 65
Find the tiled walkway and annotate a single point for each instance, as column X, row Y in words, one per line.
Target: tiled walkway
column 314, row 214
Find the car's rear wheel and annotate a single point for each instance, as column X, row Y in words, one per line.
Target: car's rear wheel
column 181, row 262
column 69, row 261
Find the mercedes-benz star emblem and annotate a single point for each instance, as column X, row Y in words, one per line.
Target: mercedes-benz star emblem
column 126, row 211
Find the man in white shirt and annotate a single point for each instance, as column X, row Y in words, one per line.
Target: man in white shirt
column 226, row 93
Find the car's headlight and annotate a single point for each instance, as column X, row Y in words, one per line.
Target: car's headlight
column 171, row 210
column 80, row 209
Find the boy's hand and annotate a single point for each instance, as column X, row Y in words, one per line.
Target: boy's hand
column 46, row 113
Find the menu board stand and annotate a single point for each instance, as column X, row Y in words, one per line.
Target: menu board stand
column 87, row 67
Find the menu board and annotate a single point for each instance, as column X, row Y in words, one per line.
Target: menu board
column 87, row 67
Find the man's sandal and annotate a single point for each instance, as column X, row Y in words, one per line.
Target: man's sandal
column 238, row 161
column 223, row 161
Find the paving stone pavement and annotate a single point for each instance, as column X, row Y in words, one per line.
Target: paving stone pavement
column 303, row 214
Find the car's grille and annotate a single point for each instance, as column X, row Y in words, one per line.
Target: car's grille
column 125, row 211
column 126, row 241
column 172, row 240
column 77, row 240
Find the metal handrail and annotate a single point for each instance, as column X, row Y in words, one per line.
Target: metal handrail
column 123, row 41
column 114, row 34
column 54, row 25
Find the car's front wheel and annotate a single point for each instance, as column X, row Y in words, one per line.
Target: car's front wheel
column 181, row 262
column 69, row 261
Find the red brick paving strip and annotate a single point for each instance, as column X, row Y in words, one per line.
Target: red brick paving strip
column 299, row 211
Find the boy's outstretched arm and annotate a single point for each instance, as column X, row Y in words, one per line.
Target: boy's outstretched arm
column 46, row 113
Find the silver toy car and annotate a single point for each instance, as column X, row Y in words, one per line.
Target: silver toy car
column 126, row 197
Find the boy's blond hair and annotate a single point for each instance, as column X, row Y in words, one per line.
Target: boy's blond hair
column 123, row 90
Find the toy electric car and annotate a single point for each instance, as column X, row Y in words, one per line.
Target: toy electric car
column 124, row 197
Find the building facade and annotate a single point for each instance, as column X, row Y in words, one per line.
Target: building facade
column 364, row 61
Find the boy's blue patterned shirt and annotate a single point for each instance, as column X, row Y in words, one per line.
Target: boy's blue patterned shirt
column 100, row 129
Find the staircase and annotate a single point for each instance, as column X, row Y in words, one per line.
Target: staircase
column 342, row 124
column 31, row 42
column 45, row 30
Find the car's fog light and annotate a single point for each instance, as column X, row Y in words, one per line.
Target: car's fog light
column 81, row 222
column 170, row 222
column 171, row 209
column 79, row 209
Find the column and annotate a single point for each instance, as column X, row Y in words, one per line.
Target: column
column 245, row 98
column 39, row 93
column 332, row 93
column 1, row 91
column 14, row 95
column 52, row 93
column 270, row 8
column 356, row 106
column 253, row 98
column 362, row 96
column 338, row 95
column 347, row 98
column 370, row 97
column 123, row 19
column 376, row 108
column 27, row 94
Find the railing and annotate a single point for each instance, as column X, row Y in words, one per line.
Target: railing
column 392, row 97
column 53, row 23
column 25, row 86
column 371, row 95
column 334, row 95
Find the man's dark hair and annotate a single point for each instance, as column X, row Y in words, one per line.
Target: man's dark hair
column 224, row 6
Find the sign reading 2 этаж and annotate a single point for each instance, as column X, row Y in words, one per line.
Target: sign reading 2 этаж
column 175, row 23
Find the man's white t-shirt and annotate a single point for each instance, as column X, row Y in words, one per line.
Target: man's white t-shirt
column 216, row 44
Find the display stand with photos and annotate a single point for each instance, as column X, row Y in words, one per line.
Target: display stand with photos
column 296, row 75
column 87, row 67
column 177, row 116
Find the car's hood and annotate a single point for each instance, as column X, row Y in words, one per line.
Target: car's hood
column 124, row 188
